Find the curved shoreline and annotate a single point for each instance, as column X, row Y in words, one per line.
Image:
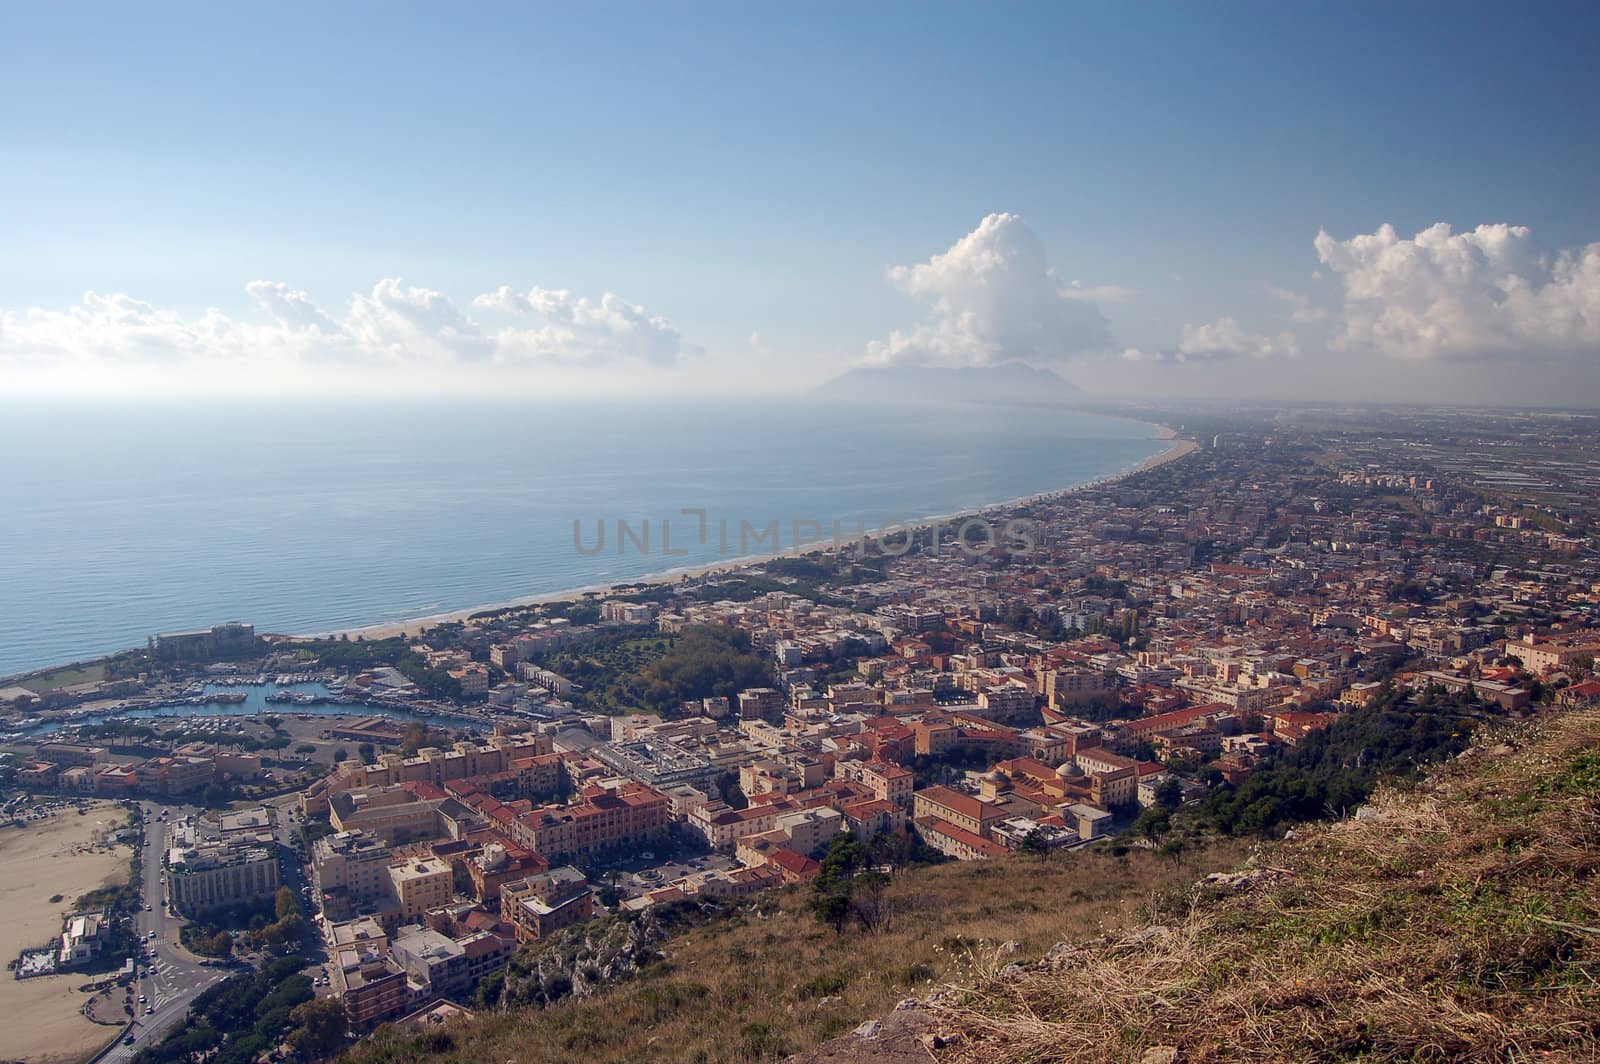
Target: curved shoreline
column 417, row 625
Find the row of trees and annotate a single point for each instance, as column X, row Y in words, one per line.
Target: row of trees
column 1331, row 772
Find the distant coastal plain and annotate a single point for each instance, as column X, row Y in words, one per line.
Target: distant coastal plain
column 322, row 517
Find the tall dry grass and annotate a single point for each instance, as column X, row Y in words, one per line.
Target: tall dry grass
column 1457, row 921
column 769, row 980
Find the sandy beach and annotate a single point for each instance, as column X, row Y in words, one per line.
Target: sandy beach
column 64, row 855
column 416, row 625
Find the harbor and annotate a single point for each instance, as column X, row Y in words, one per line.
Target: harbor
column 217, row 704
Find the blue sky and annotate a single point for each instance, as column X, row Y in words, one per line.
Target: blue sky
column 756, row 169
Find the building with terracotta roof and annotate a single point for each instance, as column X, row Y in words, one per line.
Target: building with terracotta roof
column 953, row 807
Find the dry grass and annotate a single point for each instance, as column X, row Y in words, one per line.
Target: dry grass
column 1461, row 922
column 769, row 980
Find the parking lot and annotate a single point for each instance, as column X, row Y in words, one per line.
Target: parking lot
column 671, row 858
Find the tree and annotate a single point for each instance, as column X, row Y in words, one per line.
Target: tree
column 1169, row 793
column 417, row 736
column 869, row 900
column 832, row 908
column 285, row 903
column 728, row 787
column 1034, row 842
column 367, row 753
column 1153, row 822
column 846, row 886
column 320, row 1028
column 341, row 754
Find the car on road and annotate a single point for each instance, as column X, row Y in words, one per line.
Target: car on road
column 141, row 999
column 128, row 1041
column 146, row 906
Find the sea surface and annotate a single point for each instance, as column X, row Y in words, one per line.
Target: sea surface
column 119, row 521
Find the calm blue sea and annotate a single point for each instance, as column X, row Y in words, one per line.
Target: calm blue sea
column 120, row 521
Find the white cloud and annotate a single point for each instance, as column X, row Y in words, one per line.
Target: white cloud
column 995, row 298
column 291, row 308
column 1220, row 339
column 1224, row 338
column 577, row 330
column 120, row 330
column 413, row 323
column 1463, row 295
column 395, row 324
column 1301, row 308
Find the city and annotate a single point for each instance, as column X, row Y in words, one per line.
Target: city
column 442, row 801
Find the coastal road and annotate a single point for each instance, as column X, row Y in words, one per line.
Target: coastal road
column 169, row 977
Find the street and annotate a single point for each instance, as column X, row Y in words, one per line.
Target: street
column 169, row 978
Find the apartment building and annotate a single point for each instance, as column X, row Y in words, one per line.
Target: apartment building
column 419, row 884
column 230, row 872
column 394, row 814
column 600, row 819
column 349, row 871
column 434, row 961
column 541, row 905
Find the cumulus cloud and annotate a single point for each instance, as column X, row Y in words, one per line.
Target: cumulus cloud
column 1220, row 339
column 413, row 323
column 995, row 298
column 571, row 329
column 291, row 308
column 1442, row 294
column 118, row 329
column 394, row 324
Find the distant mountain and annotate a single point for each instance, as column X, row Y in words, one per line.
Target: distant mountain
column 1008, row 382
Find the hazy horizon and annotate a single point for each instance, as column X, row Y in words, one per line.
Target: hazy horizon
column 1256, row 203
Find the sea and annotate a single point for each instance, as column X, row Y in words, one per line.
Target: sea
column 118, row 521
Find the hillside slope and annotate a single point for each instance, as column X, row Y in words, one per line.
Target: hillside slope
column 1456, row 920
column 767, row 979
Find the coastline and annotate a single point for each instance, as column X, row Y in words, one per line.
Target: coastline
column 415, row 626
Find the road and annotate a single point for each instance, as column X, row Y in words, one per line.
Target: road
column 293, row 874
column 171, row 979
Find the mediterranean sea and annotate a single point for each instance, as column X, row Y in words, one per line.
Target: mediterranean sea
column 119, row 521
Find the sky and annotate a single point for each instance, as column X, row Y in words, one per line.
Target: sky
column 1351, row 201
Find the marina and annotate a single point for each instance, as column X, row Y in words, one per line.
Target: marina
column 237, row 699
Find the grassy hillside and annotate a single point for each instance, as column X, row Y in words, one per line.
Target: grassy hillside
column 1455, row 920
column 768, row 979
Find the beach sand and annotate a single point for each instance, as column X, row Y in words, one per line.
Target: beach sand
column 415, row 627
column 62, row 855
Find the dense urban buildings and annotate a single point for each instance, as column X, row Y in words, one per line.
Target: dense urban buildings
column 1167, row 634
